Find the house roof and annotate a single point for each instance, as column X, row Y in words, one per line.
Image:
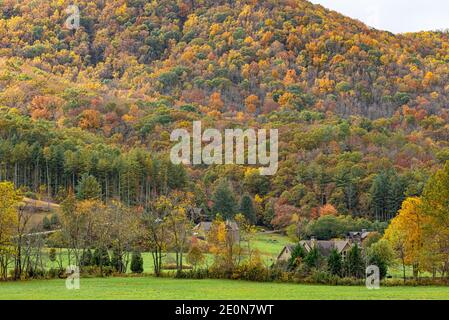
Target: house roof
column 361, row 234
column 288, row 247
column 206, row 225
column 325, row 247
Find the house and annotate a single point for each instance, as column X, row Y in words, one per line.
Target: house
column 202, row 229
column 324, row 247
column 359, row 236
column 196, row 214
column 286, row 253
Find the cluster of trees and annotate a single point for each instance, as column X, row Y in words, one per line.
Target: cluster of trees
column 86, row 114
column 101, row 101
column 334, row 227
column 420, row 232
column 357, row 167
column 353, row 265
column 100, row 236
column 249, row 56
column 43, row 159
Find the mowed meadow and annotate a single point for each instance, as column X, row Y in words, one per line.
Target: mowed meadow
column 152, row 288
column 148, row 287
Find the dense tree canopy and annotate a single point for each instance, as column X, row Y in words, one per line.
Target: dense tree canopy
column 361, row 113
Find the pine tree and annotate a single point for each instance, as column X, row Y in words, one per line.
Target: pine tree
column 354, row 263
column 86, row 258
column 379, row 195
column 117, row 261
column 269, row 214
column 88, row 188
column 312, row 259
column 224, row 201
column 396, row 195
column 335, row 263
column 298, row 254
column 46, row 223
column 247, row 209
column 101, row 258
column 136, row 263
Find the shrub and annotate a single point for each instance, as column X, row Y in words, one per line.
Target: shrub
column 298, row 254
column 46, row 224
column 101, row 257
column 313, row 258
column 86, row 258
column 355, row 266
column 136, row 263
column 117, row 261
column 334, row 263
column 52, row 255
column 54, row 273
column 173, row 266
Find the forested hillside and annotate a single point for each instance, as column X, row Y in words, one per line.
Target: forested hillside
column 361, row 113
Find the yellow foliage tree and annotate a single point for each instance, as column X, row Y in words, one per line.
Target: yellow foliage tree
column 405, row 233
column 9, row 202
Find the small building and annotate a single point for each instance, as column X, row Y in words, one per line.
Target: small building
column 286, row 253
column 359, row 236
column 324, row 247
column 202, row 229
column 196, row 214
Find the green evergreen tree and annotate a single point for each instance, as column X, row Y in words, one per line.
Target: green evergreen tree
column 354, row 262
column 46, row 224
column 224, row 200
column 88, row 188
column 379, row 196
column 268, row 214
column 54, row 220
column 117, row 261
column 86, row 258
column 52, row 255
column 335, row 263
column 247, row 209
column 380, row 263
column 396, row 195
column 298, row 254
column 313, row 258
column 136, row 263
column 101, row 258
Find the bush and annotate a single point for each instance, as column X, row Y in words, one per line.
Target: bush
column 46, row 224
column 95, row 271
column 86, row 258
column 52, row 255
column 54, row 220
column 298, row 254
column 101, row 258
column 32, row 273
column 173, row 266
column 54, row 273
column 136, row 263
column 313, row 258
column 117, row 261
column 193, row 274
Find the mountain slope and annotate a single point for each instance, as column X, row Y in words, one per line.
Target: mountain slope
column 102, row 101
column 252, row 56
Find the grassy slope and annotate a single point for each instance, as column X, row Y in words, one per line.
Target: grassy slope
column 153, row 288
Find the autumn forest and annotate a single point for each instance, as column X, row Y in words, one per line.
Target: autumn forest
column 362, row 115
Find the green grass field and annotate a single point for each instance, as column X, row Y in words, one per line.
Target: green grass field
column 172, row 289
column 269, row 246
